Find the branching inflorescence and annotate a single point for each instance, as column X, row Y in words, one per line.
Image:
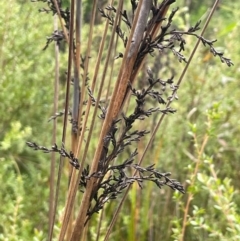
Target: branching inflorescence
column 113, row 178
column 73, row 161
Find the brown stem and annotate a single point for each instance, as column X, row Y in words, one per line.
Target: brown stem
column 70, row 57
column 53, row 156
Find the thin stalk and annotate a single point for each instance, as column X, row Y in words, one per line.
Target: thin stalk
column 76, row 99
column 107, row 97
column 76, row 94
column 53, row 155
column 70, row 57
column 86, row 63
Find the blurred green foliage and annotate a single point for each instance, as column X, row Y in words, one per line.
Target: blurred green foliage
column 26, row 103
column 208, row 105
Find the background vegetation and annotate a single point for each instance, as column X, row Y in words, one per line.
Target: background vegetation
column 198, row 144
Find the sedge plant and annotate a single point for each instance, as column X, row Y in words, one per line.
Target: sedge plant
column 105, row 107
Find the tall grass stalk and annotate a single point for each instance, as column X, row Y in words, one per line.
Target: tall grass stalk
column 54, row 138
